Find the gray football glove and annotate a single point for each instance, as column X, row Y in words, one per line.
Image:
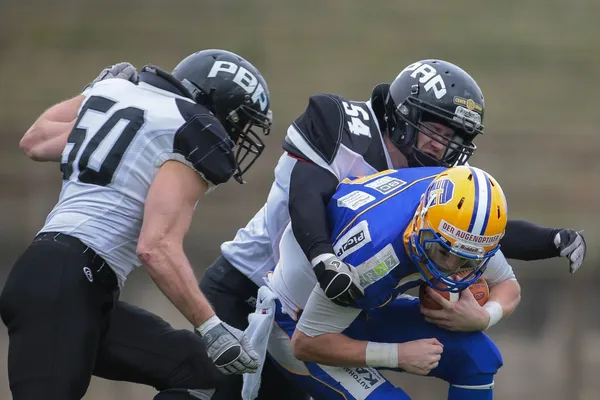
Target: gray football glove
column 230, row 350
column 122, row 70
column 339, row 281
column 571, row 244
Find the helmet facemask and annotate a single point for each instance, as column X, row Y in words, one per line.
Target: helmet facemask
column 245, row 126
column 428, row 249
column 410, row 118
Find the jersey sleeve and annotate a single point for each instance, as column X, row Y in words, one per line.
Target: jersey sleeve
column 204, row 145
column 335, row 133
column 322, row 316
column 317, row 133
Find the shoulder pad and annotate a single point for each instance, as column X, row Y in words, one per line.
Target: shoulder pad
column 330, row 121
column 203, row 141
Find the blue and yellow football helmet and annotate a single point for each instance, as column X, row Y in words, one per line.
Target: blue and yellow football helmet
column 457, row 227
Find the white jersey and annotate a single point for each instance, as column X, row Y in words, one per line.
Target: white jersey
column 336, row 134
column 123, row 134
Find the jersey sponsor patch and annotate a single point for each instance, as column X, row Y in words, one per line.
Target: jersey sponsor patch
column 359, row 382
column 378, row 266
column 355, row 200
column 353, row 240
column 386, row 184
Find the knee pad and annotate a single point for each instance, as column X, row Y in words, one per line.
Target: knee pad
column 184, row 394
column 479, row 357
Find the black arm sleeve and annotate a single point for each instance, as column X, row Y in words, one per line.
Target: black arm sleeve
column 527, row 241
column 311, row 188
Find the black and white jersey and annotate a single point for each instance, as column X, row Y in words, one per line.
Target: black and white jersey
column 340, row 136
column 123, row 134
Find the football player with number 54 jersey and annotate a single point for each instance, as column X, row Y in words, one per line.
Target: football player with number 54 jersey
column 136, row 154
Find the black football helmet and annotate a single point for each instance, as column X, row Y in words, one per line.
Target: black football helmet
column 236, row 93
column 434, row 91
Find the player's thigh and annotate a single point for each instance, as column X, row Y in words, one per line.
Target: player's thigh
column 143, row 348
column 464, row 352
column 230, row 292
column 275, row 385
column 55, row 319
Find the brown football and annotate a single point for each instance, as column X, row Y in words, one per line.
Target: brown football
column 479, row 288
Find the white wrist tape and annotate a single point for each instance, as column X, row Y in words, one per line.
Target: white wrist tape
column 496, row 312
column 382, row 355
column 208, row 325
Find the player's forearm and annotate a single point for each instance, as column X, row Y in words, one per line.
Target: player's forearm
column 169, row 268
column 507, row 294
column 333, row 349
column 311, row 188
column 526, row 241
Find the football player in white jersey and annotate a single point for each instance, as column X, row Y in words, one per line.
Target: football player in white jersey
column 136, row 155
column 429, row 115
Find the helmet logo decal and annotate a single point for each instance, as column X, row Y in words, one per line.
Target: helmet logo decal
column 428, row 76
column 469, row 103
column 468, row 238
column 245, row 79
column 439, row 193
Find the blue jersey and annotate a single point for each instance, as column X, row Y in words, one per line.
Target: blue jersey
column 368, row 217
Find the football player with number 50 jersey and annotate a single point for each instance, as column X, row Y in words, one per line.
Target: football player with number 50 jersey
column 136, row 154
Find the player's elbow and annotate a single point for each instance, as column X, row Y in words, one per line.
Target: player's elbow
column 28, row 144
column 303, row 347
column 153, row 253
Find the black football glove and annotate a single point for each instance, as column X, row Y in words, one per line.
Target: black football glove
column 339, row 281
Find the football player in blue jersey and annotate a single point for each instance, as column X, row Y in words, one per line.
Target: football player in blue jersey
column 398, row 229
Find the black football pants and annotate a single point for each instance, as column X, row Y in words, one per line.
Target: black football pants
column 65, row 324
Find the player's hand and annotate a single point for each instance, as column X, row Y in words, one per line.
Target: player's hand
column 339, row 281
column 419, row 357
column 465, row 315
column 230, row 350
column 571, row 244
column 122, row 70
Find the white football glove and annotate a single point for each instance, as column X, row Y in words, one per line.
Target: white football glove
column 228, row 348
column 122, row 70
column 571, row 244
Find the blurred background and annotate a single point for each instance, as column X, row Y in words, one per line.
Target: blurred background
column 538, row 63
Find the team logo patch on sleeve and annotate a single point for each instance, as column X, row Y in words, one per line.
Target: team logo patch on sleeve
column 378, row 266
column 355, row 200
column 353, row 240
column 386, row 184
